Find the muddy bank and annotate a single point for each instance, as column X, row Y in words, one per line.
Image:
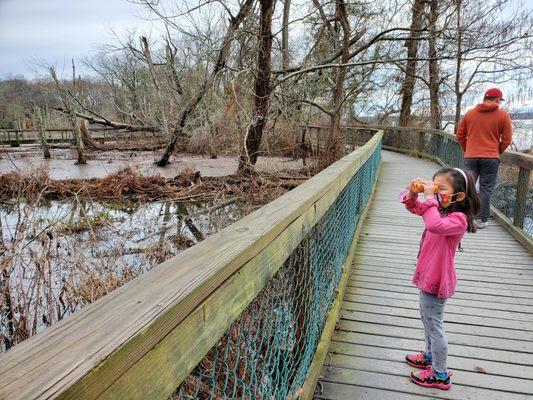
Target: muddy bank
column 100, row 163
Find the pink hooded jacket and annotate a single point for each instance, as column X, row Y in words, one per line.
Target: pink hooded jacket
column 435, row 268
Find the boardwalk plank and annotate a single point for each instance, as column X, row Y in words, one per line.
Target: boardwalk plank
column 466, row 378
column 452, row 317
column 402, row 384
column 410, row 289
column 456, row 363
column 487, row 305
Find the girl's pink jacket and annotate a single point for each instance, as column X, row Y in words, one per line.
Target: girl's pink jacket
column 435, row 269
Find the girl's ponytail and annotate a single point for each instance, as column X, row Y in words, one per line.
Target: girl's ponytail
column 472, row 203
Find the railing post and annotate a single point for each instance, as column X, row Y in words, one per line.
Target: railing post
column 420, row 144
column 521, row 197
column 16, row 142
column 317, row 141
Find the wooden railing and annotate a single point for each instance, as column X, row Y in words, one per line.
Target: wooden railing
column 142, row 340
column 16, row 137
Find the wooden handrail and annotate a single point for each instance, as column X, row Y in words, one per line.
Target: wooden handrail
column 143, row 339
column 523, row 160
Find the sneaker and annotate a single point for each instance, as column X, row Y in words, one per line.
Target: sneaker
column 429, row 378
column 418, row 360
column 481, row 224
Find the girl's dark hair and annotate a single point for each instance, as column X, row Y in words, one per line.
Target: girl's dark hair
column 470, row 205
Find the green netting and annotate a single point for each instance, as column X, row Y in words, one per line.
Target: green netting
column 267, row 351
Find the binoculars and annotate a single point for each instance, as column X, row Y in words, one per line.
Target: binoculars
column 417, row 186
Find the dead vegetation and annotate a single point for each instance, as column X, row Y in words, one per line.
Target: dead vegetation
column 130, row 183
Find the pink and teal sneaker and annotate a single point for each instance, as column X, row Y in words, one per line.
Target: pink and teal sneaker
column 418, row 360
column 429, row 378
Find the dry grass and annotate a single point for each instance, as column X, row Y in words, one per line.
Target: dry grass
column 130, row 183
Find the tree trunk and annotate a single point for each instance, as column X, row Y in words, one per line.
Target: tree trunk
column 434, row 78
column 41, row 127
column 160, row 102
column 334, row 143
column 71, row 112
column 458, row 61
column 457, row 118
column 85, row 135
column 285, row 34
column 191, row 105
column 249, row 153
column 412, row 50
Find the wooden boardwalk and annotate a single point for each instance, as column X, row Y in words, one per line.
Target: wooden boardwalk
column 489, row 322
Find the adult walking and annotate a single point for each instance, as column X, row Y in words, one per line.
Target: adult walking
column 484, row 133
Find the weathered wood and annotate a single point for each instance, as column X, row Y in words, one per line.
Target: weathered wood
column 398, row 382
column 525, row 319
column 454, row 338
column 519, row 159
column 471, row 379
column 339, row 391
column 403, row 321
column 384, row 271
column 513, row 230
column 175, row 356
column 521, row 197
column 133, row 324
column 461, row 363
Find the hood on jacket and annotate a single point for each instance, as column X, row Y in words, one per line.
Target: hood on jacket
column 487, row 107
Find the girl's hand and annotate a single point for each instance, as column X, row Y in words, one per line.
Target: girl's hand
column 429, row 189
column 413, row 193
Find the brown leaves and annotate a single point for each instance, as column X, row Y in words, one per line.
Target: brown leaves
column 129, row 182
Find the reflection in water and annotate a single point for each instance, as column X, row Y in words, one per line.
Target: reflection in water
column 59, row 256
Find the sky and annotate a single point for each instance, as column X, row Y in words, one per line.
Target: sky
column 58, row 30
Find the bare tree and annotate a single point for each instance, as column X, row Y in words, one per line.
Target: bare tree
column 184, row 114
column 489, row 46
column 70, row 110
column 334, row 142
column 254, row 133
column 433, row 67
column 41, row 127
column 412, row 44
column 285, row 34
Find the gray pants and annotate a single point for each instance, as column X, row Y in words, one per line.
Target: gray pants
column 487, row 171
column 432, row 315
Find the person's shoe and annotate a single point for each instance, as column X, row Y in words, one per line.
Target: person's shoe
column 429, row 378
column 418, row 360
column 481, row 224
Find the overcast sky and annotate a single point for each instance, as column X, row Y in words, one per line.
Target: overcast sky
column 56, row 31
column 59, row 30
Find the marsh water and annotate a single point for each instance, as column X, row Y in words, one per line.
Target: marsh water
column 58, row 256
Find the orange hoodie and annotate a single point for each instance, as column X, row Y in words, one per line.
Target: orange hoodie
column 485, row 131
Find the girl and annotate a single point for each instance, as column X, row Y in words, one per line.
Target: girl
column 447, row 215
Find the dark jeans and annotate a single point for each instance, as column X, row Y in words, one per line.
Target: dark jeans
column 487, row 171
